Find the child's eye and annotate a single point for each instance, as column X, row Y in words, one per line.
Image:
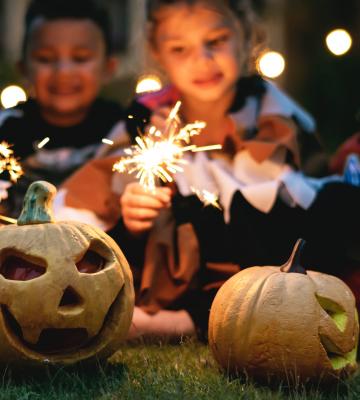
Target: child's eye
column 43, row 58
column 218, row 41
column 82, row 56
column 177, row 49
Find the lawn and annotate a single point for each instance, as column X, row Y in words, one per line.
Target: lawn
column 157, row 371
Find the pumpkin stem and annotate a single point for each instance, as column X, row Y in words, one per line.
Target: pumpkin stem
column 37, row 207
column 293, row 264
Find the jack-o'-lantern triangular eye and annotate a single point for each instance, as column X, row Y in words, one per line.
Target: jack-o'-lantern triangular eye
column 91, row 262
column 335, row 312
column 15, row 268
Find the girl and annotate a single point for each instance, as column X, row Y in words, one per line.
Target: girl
column 180, row 250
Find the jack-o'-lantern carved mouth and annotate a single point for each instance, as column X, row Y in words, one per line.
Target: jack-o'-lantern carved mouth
column 59, row 340
column 51, row 340
column 54, row 340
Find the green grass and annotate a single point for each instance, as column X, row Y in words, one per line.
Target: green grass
column 185, row 371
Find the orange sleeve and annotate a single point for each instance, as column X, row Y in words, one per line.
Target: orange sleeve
column 91, row 188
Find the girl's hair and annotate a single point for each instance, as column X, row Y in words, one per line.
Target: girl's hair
column 254, row 33
column 73, row 9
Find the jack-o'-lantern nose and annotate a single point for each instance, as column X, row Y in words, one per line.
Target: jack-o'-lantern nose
column 70, row 298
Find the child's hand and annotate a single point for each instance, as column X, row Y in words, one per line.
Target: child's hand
column 159, row 118
column 4, row 185
column 140, row 208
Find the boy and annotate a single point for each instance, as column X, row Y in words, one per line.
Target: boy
column 66, row 58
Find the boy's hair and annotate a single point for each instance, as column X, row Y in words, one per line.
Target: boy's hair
column 73, row 9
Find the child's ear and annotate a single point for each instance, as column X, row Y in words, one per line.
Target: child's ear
column 111, row 67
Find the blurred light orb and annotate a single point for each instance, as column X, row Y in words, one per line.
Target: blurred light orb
column 338, row 41
column 271, row 64
column 148, row 83
column 12, row 95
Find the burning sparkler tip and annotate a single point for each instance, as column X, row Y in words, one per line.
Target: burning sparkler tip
column 156, row 154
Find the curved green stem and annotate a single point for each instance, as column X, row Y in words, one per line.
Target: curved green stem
column 37, row 208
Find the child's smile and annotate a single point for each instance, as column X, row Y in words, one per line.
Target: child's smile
column 209, row 80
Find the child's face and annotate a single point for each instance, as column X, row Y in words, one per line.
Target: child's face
column 200, row 49
column 66, row 63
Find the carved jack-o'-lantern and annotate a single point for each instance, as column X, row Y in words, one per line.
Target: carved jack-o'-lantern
column 66, row 291
column 285, row 324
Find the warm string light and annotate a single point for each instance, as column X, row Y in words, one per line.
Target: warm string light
column 148, row 83
column 9, row 163
column 271, row 64
column 12, row 95
column 158, row 155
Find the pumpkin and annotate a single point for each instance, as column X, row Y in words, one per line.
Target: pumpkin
column 285, row 324
column 66, row 291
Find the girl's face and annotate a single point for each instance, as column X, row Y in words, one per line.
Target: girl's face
column 200, row 48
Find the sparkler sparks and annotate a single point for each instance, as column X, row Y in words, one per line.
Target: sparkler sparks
column 208, row 198
column 107, row 141
column 9, row 163
column 43, row 142
column 158, row 155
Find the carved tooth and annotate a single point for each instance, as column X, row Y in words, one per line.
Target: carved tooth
column 31, row 334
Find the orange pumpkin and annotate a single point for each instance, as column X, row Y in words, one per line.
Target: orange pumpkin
column 66, row 290
column 285, row 323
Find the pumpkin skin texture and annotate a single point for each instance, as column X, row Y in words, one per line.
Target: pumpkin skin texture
column 66, row 290
column 273, row 325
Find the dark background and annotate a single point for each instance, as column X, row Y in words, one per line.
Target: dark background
column 326, row 85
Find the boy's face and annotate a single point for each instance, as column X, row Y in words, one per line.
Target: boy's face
column 66, row 63
column 200, row 48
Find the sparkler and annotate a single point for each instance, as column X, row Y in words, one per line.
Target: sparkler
column 9, row 163
column 43, row 142
column 158, row 155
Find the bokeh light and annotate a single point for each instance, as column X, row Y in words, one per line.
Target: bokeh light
column 12, row 95
column 148, row 83
column 271, row 64
column 339, row 41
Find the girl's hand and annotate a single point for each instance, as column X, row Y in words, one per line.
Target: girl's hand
column 140, row 208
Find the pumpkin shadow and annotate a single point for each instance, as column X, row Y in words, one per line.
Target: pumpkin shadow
column 82, row 380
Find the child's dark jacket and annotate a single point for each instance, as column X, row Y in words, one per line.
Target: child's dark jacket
column 67, row 149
